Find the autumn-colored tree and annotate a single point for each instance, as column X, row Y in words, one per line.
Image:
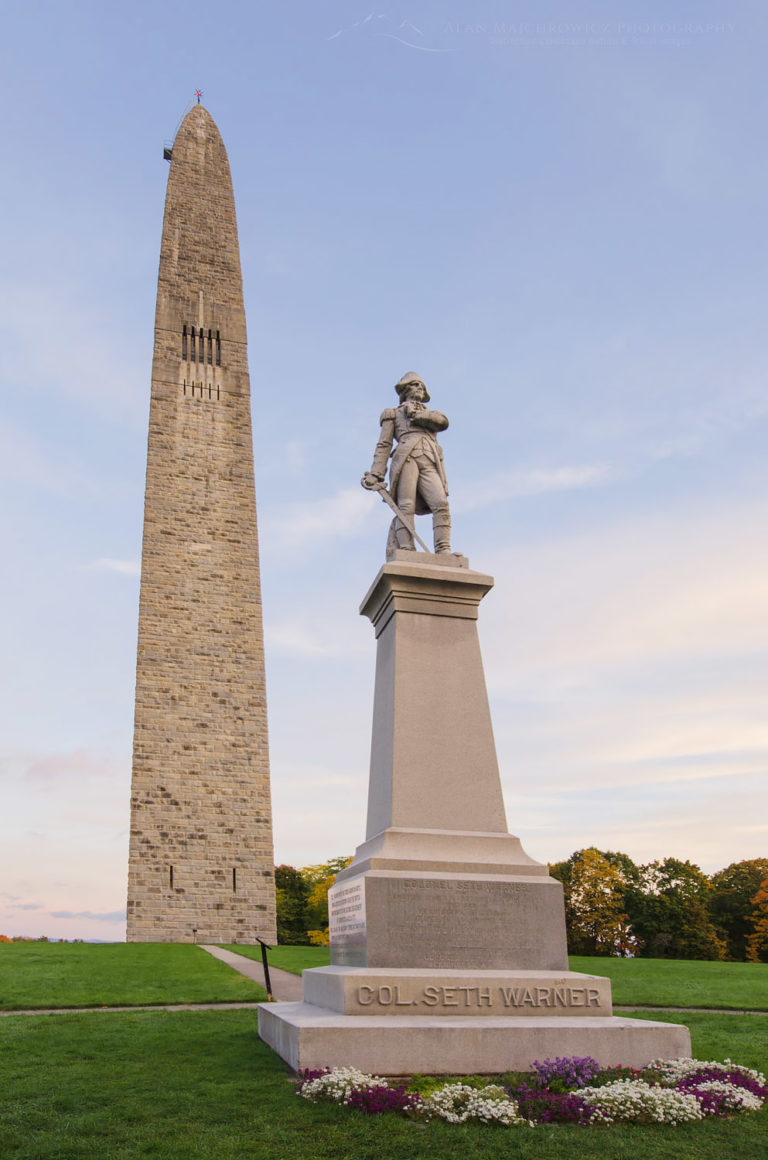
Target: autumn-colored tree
column 731, row 902
column 302, row 901
column 757, row 941
column 596, row 922
column 320, row 879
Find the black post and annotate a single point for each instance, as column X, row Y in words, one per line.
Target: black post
column 264, row 948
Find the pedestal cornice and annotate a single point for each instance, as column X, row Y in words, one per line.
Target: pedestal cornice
column 426, row 589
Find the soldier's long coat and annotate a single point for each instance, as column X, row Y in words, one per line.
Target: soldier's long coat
column 396, row 425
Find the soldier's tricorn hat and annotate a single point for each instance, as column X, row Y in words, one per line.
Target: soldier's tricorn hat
column 408, row 379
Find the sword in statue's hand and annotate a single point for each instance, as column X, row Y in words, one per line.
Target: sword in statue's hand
column 380, row 487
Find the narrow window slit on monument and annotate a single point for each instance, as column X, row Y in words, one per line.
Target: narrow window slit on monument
column 234, row 880
column 170, row 877
column 217, row 391
column 185, row 386
column 184, row 342
column 192, row 355
column 218, row 348
column 210, row 348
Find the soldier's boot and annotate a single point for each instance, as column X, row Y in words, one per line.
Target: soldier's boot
column 441, row 530
column 404, row 535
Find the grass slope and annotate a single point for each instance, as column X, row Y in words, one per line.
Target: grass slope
column 652, row 982
column 35, row 975
column 293, row 959
column 678, row 983
column 200, row 1085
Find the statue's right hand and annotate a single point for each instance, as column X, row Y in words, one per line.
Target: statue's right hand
column 370, row 481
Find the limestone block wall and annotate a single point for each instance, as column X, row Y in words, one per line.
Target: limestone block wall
column 201, row 856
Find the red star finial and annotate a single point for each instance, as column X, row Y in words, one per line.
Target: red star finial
column 198, row 94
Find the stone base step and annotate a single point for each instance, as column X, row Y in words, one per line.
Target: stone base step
column 306, row 1036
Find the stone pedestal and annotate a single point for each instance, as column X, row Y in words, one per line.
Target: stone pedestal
column 448, row 949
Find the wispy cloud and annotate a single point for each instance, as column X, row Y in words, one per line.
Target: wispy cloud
column 337, row 636
column 324, row 520
column 626, row 666
column 685, row 583
column 95, row 916
column 47, row 767
column 43, row 321
column 123, row 567
column 518, row 482
column 293, row 639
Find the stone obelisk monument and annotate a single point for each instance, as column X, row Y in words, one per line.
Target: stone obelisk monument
column 201, row 859
column 448, row 942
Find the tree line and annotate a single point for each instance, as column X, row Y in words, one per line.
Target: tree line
column 664, row 909
column 302, row 902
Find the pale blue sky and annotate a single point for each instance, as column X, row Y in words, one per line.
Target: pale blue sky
column 560, row 225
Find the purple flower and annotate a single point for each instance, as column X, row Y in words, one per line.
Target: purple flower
column 548, row 1107
column 715, row 1102
column 566, row 1072
column 735, row 1077
column 377, row 1099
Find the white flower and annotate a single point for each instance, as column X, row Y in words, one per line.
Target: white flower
column 640, row 1102
column 637, row 1100
column 337, row 1084
column 458, row 1102
column 737, row 1099
column 673, row 1070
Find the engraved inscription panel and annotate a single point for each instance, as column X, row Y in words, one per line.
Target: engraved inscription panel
column 346, row 913
column 465, row 923
column 532, row 998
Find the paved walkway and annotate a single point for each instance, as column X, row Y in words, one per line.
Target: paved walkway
column 285, row 986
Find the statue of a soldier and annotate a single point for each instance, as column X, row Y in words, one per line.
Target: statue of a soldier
column 416, row 475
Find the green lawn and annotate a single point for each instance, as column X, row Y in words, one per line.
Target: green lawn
column 650, row 982
column 34, row 975
column 201, row 1086
column 675, row 983
column 293, row 959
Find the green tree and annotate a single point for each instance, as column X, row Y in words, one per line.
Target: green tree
column 668, row 908
column 292, row 893
column 731, row 902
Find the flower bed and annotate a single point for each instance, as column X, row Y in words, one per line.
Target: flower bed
column 569, row 1090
